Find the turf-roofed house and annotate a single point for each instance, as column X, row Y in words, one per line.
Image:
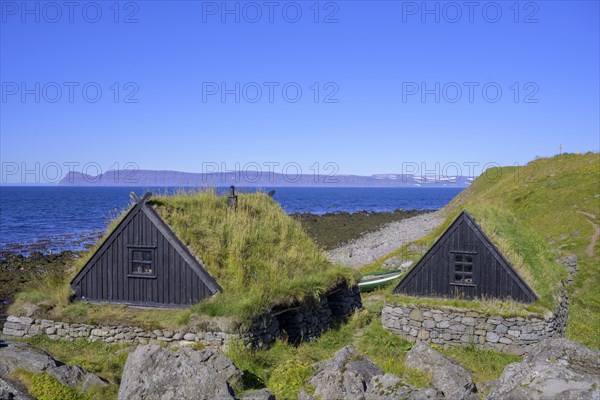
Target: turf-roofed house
column 143, row 262
column 464, row 263
column 239, row 257
column 496, row 273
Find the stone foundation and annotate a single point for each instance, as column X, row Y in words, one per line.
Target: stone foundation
column 305, row 322
column 450, row 326
column 296, row 324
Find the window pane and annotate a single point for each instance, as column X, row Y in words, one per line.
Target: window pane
column 137, row 255
column 138, row 267
column 458, row 278
column 147, row 255
column 459, row 257
column 469, row 259
column 468, row 268
column 147, row 268
column 458, row 267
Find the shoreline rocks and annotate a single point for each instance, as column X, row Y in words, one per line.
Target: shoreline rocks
column 388, row 238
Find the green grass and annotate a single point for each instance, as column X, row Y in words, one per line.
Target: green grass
column 531, row 213
column 105, row 360
column 259, row 255
column 46, row 387
column 484, row 365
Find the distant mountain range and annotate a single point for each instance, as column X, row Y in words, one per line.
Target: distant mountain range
column 150, row 178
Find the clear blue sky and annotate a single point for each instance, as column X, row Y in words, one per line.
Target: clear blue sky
column 376, row 56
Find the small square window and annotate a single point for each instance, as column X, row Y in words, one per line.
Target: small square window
column 141, row 262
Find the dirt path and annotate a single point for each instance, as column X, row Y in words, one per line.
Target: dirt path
column 594, row 239
column 390, row 237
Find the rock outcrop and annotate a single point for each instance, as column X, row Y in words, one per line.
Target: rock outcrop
column 448, row 376
column 344, row 376
column 554, row 369
column 15, row 356
column 10, row 391
column 350, row 376
column 154, row 372
column 563, row 351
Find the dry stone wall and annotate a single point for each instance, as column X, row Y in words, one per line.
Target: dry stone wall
column 296, row 324
column 453, row 326
column 25, row 327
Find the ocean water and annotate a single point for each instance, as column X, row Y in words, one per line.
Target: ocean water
column 69, row 218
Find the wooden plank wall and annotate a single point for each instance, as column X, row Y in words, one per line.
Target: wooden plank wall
column 175, row 282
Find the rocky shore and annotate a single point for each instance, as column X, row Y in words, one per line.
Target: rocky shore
column 333, row 230
column 16, row 270
column 388, row 238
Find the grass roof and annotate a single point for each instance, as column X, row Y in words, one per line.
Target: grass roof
column 532, row 213
column 259, row 255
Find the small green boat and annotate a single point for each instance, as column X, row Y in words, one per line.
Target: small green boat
column 375, row 281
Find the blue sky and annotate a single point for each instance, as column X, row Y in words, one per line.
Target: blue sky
column 161, row 68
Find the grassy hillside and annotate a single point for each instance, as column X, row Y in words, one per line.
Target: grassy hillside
column 258, row 254
column 538, row 214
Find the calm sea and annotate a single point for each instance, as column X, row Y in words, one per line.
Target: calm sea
column 59, row 218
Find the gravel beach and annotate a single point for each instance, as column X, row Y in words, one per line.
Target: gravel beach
column 390, row 237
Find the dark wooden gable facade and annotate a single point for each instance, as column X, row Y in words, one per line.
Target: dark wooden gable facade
column 142, row 262
column 464, row 263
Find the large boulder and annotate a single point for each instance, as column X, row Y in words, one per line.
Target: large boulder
column 563, row 351
column 349, row 375
column 154, row 372
column 448, row 376
column 344, row 376
column 11, row 391
column 554, row 368
column 15, row 356
column 544, row 380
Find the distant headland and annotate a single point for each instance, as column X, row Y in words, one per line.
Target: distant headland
column 153, row 178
